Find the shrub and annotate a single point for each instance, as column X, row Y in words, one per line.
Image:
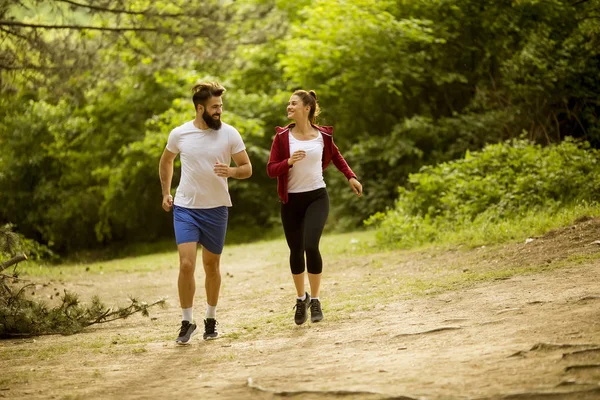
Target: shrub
column 504, row 181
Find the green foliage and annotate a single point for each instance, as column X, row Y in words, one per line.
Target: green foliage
column 12, row 243
column 84, row 114
column 412, row 83
column 59, row 159
column 503, row 183
column 9, row 241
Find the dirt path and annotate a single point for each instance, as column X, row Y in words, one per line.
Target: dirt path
column 531, row 336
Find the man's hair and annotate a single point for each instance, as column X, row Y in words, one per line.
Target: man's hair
column 309, row 98
column 204, row 91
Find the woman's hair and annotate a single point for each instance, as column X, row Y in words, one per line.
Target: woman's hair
column 204, row 91
column 309, row 98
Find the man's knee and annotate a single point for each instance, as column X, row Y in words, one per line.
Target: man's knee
column 187, row 266
column 211, row 267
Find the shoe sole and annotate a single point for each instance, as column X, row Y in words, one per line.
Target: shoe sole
column 211, row 337
column 316, row 319
column 181, row 343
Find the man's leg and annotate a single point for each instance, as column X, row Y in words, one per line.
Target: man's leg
column 212, row 281
column 186, row 285
column 214, row 228
column 212, row 284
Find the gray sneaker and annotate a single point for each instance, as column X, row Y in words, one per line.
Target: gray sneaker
column 302, row 310
column 210, row 329
column 186, row 332
column 316, row 314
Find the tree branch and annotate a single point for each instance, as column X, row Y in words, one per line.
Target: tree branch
column 78, row 27
column 9, row 32
column 12, row 261
column 119, row 10
column 112, row 315
column 31, row 67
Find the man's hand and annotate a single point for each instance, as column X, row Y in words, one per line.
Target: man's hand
column 224, row 170
column 167, row 203
column 356, row 186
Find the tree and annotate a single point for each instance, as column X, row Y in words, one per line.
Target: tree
column 65, row 39
column 412, row 83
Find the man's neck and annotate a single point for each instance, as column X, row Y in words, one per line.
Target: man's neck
column 200, row 123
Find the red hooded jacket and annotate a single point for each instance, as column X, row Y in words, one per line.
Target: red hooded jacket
column 280, row 152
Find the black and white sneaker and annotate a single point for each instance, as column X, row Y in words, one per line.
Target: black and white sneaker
column 316, row 314
column 210, row 329
column 302, row 310
column 186, row 332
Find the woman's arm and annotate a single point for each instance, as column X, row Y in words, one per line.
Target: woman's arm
column 341, row 164
column 278, row 163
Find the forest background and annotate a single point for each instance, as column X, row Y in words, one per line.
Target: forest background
column 417, row 90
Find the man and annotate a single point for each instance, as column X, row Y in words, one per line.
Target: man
column 206, row 146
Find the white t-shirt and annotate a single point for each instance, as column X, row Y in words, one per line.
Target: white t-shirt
column 306, row 174
column 200, row 150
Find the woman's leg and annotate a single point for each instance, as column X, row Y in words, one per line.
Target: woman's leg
column 315, row 219
column 292, row 218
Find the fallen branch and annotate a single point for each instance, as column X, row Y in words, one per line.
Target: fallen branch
column 69, row 317
column 109, row 315
column 13, row 261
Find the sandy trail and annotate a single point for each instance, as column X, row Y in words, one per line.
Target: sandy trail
column 532, row 336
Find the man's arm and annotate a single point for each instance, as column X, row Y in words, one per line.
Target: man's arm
column 243, row 169
column 165, row 171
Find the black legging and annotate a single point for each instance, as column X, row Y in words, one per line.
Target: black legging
column 303, row 218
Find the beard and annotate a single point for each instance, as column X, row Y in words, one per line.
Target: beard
column 212, row 122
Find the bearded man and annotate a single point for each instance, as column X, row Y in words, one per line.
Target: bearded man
column 206, row 146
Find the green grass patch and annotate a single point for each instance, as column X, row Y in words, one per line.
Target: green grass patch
column 531, row 224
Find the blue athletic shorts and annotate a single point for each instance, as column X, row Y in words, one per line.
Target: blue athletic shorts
column 206, row 226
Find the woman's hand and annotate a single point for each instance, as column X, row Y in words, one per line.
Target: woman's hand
column 356, row 186
column 297, row 156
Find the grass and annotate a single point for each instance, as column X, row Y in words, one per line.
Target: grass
column 361, row 242
column 481, row 231
column 140, row 264
column 532, row 224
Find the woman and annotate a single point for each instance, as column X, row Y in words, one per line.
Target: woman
column 299, row 154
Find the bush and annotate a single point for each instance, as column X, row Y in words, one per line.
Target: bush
column 503, row 182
